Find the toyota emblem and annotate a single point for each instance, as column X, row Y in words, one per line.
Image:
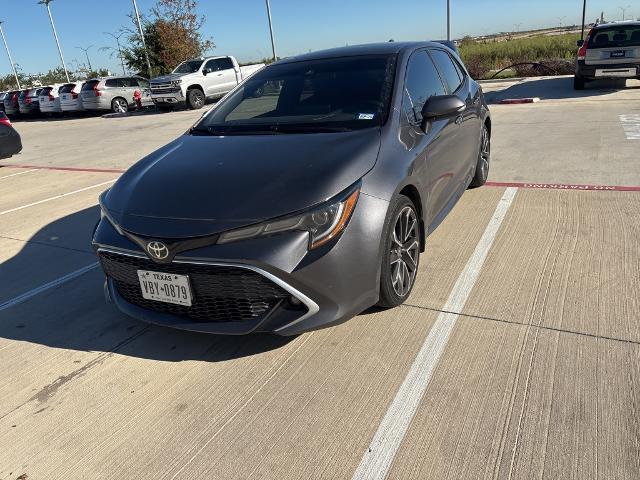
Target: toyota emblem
column 157, row 250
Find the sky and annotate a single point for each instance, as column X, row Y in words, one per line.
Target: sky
column 240, row 27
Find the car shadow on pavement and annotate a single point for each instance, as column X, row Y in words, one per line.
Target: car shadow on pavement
column 75, row 315
column 555, row 88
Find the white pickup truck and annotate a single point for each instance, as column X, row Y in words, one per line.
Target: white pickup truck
column 195, row 81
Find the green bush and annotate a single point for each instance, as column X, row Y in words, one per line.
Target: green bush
column 483, row 56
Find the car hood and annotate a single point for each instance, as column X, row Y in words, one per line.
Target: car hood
column 170, row 77
column 203, row 185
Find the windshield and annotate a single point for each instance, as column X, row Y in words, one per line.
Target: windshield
column 336, row 94
column 618, row 36
column 190, row 66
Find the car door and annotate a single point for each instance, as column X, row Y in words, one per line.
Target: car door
column 457, row 83
column 221, row 76
column 432, row 165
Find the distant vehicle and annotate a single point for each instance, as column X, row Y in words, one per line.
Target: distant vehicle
column 200, row 79
column 28, row 101
column 70, row 99
column 11, row 102
column 611, row 50
column 10, row 142
column 114, row 93
column 2, row 96
column 299, row 208
column 49, row 99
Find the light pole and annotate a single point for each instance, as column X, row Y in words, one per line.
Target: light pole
column 624, row 10
column 55, row 34
column 560, row 19
column 117, row 37
column 584, row 15
column 15, row 73
column 144, row 44
column 448, row 20
column 273, row 43
column 517, row 26
column 86, row 52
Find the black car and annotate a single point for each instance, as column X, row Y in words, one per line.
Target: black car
column 10, row 142
column 611, row 50
column 302, row 198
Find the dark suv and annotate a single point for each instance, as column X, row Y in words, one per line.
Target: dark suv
column 611, row 50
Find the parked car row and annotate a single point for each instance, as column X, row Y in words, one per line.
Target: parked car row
column 114, row 94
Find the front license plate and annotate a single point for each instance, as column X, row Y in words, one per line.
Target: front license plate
column 618, row 54
column 165, row 287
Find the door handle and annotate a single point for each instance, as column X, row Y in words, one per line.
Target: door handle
column 219, row 75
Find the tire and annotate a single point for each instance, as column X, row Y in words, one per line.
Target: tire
column 400, row 254
column 195, row 99
column 484, row 158
column 119, row 105
column 578, row 82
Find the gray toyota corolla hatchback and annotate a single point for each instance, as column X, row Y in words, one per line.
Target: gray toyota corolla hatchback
column 302, row 198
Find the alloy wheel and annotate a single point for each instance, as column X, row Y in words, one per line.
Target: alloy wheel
column 485, row 153
column 405, row 250
column 120, row 106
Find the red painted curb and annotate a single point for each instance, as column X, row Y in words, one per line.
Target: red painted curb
column 67, row 169
column 566, row 186
column 516, row 101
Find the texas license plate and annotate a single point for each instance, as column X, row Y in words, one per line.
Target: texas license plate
column 618, row 54
column 165, row 287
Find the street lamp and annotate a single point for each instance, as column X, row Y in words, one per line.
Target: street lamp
column 449, row 20
column 144, row 44
column 86, row 52
column 117, row 37
column 560, row 19
column 624, row 10
column 15, row 73
column 55, row 34
column 273, row 43
column 517, row 26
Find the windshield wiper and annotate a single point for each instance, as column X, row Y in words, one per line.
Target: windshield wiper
column 227, row 131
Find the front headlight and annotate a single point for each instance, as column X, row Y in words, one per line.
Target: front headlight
column 104, row 213
column 176, row 83
column 323, row 223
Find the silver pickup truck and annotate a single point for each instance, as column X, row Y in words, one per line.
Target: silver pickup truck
column 195, row 81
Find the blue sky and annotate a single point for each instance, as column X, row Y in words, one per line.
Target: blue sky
column 240, row 28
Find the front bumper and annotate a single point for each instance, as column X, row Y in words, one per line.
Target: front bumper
column 169, row 96
column 299, row 290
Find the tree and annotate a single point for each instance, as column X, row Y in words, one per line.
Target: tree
column 172, row 35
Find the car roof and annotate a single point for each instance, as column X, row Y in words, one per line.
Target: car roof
column 365, row 49
column 626, row 23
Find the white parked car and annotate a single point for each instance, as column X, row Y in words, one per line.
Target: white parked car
column 70, row 99
column 49, row 99
column 197, row 80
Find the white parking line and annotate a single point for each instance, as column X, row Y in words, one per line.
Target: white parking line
column 631, row 126
column 43, row 288
column 20, row 173
column 377, row 460
column 56, row 197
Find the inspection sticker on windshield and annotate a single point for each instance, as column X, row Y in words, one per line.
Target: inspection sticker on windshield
column 366, row 116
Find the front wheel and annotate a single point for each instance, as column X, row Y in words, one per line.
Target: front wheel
column 119, row 105
column 484, row 156
column 401, row 253
column 195, row 99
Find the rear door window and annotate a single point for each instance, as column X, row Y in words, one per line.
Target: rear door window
column 421, row 82
column 616, row 36
column 447, row 69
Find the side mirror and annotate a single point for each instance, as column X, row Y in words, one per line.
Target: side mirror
column 580, row 43
column 441, row 106
column 206, row 72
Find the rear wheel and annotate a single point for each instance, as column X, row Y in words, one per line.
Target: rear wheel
column 401, row 253
column 484, row 156
column 195, row 99
column 119, row 105
column 578, row 82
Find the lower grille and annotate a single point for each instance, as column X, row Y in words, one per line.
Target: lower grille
column 220, row 293
column 164, row 89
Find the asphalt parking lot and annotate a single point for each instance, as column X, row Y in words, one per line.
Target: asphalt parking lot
column 516, row 356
